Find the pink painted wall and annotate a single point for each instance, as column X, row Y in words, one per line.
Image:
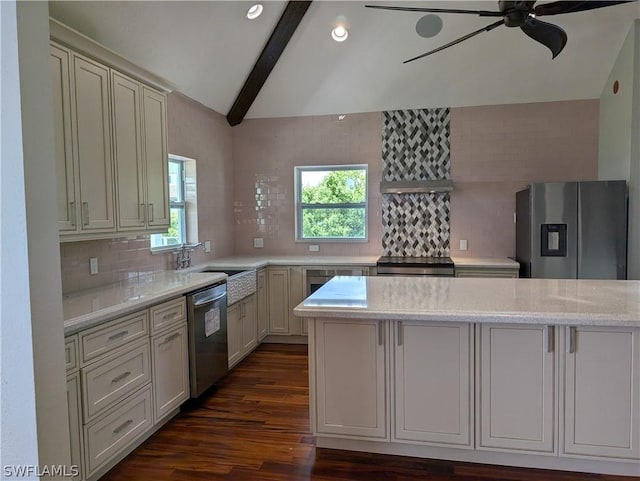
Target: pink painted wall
column 498, row 150
column 196, row 132
column 265, row 152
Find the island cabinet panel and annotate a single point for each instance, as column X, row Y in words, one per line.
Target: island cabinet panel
column 351, row 378
column 433, row 382
column 602, row 392
column 517, row 387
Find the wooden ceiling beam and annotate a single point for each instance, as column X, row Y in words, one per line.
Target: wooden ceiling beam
column 282, row 33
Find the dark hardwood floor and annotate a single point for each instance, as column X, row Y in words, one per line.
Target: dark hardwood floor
column 255, row 426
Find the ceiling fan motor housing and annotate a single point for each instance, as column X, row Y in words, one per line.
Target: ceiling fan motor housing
column 515, row 13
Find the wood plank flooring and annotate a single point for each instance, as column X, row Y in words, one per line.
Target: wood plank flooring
column 255, row 427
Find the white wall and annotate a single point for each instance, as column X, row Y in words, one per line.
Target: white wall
column 44, row 254
column 619, row 146
column 18, row 435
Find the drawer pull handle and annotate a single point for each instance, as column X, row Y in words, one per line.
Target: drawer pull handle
column 121, row 376
column 171, row 337
column 170, row 316
column 400, row 334
column 122, row 426
column 73, row 213
column 150, row 211
column 380, row 333
column 572, row 340
column 118, row 335
column 550, row 338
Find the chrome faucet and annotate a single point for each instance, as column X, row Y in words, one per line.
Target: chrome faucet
column 183, row 256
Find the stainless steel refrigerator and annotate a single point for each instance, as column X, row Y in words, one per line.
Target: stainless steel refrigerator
column 572, row 230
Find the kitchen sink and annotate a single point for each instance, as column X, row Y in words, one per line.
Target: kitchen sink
column 240, row 284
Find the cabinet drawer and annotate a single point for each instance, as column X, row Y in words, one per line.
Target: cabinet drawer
column 71, row 353
column 102, row 340
column 117, row 429
column 108, row 381
column 168, row 314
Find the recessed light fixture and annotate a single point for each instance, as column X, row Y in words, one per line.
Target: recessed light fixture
column 339, row 34
column 429, row 26
column 254, row 11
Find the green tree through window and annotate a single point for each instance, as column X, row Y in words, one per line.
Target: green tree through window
column 332, row 202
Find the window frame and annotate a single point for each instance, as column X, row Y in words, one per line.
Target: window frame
column 179, row 204
column 300, row 206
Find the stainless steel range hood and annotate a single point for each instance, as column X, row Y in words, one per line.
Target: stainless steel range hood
column 416, row 186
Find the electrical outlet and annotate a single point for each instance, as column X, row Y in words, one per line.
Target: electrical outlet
column 207, row 246
column 463, row 244
column 314, row 248
column 93, row 265
column 258, row 242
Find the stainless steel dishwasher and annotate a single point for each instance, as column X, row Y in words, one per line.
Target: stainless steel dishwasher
column 208, row 352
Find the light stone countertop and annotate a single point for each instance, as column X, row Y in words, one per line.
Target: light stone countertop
column 528, row 301
column 486, row 262
column 257, row 262
column 91, row 307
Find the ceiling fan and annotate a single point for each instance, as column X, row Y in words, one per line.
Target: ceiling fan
column 521, row 14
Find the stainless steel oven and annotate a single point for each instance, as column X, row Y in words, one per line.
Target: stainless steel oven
column 415, row 266
column 316, row 278
column 208, row 351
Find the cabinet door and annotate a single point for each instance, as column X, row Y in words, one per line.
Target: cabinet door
column 262, row 304
column 154, row 138
column 127, row 150
column 75, row 426
column 249, row 325
column 170, row 365
column 433, row 382
column 234, row 334
column 351, row 379
column 90, row 104
column 65, row 169
column 517, row 387
column 279, row 301
column 602, row 392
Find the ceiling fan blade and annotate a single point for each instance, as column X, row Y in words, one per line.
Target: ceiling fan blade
column 461, row 39
column 482, row 13
column 557, row 8
column 551, row 36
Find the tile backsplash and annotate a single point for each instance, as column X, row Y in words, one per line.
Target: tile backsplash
column 416, row 146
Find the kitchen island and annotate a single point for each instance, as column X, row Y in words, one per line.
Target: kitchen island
column 522, row 372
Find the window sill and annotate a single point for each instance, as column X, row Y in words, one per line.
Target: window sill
column 335, row 240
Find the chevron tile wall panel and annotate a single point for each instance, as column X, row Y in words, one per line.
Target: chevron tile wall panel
column 415, row 224
column 415, row 146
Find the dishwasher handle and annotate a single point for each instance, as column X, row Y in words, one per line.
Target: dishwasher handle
column 210, row 295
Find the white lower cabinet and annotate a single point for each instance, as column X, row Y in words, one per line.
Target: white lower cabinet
column 242, row 329
column 602, row 392
column 517, row 387
column 113, row 431
column 121, row 382
column 170, row 360
column 351, row 378
column 433, row 382
column 74, row 406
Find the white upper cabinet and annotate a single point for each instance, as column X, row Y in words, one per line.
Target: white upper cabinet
column 127, row 149
column 154, row 140
column 110, row 149
column 91, row 117
column 61, row 84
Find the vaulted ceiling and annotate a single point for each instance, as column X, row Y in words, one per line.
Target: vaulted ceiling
column 207, row 49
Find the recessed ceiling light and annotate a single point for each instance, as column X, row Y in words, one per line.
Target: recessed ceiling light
column 339, row 34
column 254, row 11
column 429, row 26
